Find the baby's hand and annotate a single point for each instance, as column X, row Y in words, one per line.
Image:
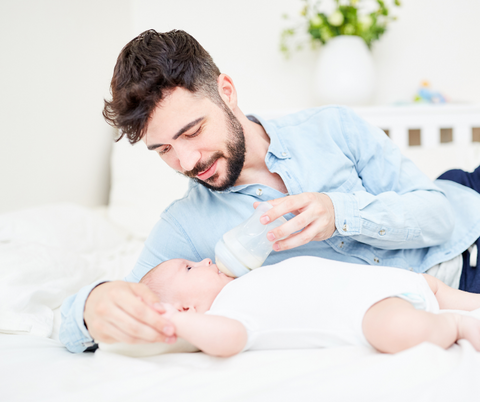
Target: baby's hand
column 170, row 311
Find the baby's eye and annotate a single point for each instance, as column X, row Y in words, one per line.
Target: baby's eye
column 189, row 268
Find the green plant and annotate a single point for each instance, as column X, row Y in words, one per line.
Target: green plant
column 348, row 18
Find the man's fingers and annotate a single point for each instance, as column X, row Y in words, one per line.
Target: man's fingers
column 146, row 295
column 116, row 335
column 123, row 312
column 290, row 227
column 283, row 206
column 121, row 327
column 298, row 239
column 135, row 330
column 142, row 312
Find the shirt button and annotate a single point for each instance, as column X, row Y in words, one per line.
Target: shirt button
column 284, row 154
column 341, row 244
column 259, row 191
column 345, row 228
column 376, row 260
column 88, row 344
column 382, row 232
column 410, row 269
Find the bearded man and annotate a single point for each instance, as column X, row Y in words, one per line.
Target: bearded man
column 347, row 192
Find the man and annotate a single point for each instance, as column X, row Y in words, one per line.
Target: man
column 346, row 190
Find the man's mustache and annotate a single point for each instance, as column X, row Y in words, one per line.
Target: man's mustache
column 202, row 166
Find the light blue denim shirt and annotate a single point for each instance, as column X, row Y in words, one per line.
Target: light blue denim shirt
column 387, row 212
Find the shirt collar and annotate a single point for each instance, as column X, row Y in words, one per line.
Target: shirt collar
column 277, row 147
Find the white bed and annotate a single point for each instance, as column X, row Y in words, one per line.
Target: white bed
column 49, row 252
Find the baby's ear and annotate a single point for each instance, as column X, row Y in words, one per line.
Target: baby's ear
column 189, row 308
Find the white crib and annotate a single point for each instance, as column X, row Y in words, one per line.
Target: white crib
column 435, row 137
column 426, row 126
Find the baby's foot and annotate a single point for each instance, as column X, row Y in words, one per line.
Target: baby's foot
column 469, row 329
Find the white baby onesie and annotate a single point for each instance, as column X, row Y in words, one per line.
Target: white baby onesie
column 311, row 302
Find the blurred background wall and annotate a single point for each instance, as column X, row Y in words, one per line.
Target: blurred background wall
column 57, row 58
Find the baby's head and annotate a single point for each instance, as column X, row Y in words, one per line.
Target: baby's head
column 185, row 284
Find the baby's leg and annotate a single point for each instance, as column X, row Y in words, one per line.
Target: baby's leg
column 393, row 325
column 452, row 299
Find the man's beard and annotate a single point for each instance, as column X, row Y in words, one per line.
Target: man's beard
column 235, row 159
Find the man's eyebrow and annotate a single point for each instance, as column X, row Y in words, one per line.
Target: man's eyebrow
column 179, row 132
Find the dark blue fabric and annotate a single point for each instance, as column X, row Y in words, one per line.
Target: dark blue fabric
column 470, row 279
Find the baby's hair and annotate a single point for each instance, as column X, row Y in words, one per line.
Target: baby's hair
column 156, row 286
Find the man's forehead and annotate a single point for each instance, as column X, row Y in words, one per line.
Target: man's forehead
column 166, row 124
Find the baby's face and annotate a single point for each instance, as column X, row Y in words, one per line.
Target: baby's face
column 192, row 285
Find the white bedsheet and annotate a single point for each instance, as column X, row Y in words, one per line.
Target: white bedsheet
column 38, row 368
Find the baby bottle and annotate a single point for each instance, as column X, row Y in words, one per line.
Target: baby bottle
column 246, row 246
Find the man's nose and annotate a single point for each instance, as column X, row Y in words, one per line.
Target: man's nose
column 188, row 158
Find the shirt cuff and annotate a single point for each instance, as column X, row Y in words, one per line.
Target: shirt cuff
column 347, row 214
column 73, row 332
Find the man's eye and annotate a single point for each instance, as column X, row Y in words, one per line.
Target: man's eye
column 195, row 133
column 164, row 150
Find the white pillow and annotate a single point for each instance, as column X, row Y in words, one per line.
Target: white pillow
column 46, row 254
column 67, row 226
column 142, row 186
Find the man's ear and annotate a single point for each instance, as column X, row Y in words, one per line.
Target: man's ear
column 227, row 90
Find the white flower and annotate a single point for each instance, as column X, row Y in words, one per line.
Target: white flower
column 349, row 29
column 366, row 21
column 336, row 18
column 316, row 21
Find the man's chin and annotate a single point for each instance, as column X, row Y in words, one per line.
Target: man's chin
column 214, row 183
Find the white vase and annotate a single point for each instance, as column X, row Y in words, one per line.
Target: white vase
column 345, row 73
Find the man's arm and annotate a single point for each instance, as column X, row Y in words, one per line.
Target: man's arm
column 398, row 206
column 214, row 335
column 113, row 312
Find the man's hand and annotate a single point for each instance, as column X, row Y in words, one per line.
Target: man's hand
column 315, row 215
column 126, row 312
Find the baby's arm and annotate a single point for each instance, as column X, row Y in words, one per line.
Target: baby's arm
column 214, row 335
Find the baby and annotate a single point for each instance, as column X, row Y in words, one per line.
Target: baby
column 310, row 302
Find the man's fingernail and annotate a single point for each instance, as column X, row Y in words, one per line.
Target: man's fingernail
column 168, row 330
column 276, row 247
column 264, row 219
column 270, row 236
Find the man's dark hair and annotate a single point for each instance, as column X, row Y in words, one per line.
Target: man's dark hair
column 148, row 69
